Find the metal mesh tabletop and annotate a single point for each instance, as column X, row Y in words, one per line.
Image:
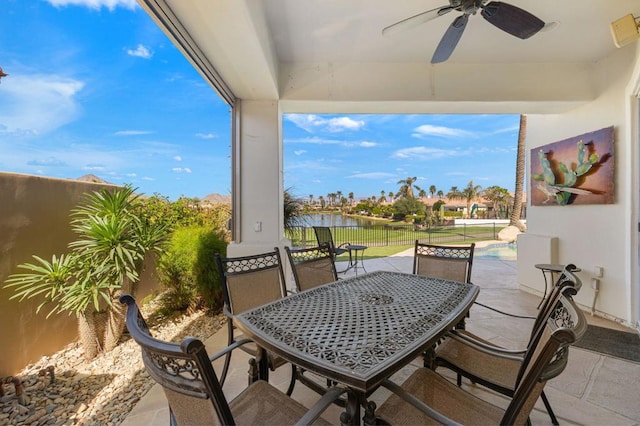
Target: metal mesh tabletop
column 359, row 330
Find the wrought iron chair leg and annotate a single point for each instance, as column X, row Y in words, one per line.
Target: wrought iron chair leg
column 552, row 415
column 292, row 383
column 254, row 373
column 227, row 358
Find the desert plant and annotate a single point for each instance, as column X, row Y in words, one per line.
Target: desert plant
column 106, row 260
column 187, row 268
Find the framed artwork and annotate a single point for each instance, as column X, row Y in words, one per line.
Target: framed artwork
column 578, row 170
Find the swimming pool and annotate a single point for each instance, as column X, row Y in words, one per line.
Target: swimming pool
column 498, row 251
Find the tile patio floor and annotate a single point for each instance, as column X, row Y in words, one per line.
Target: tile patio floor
column 593, row 390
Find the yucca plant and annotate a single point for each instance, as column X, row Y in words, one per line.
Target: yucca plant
column 105, row 261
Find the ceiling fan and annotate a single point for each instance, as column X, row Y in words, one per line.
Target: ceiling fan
column 511, row 19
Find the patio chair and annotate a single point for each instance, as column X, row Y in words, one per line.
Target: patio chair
column 312, row 266
column 447, row 262
column 495, row 367
column 426, row 395
column 191, row 386
column 324, row 236
column 248, row 282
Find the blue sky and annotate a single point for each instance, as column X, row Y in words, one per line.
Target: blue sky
column 95, row 87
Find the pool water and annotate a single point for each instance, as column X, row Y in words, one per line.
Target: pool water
column 498, row 251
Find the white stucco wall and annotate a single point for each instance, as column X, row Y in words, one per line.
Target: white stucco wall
column 258, row 189
column 601, row 235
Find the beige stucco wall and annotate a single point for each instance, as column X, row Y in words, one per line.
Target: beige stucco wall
column 34, row 220
column 597, row 235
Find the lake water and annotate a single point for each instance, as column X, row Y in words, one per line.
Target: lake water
column 325, row 219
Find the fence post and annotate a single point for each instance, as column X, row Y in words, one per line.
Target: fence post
column 494, row 230
column 464, row 232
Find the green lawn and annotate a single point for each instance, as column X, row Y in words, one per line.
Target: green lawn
column 374, row 252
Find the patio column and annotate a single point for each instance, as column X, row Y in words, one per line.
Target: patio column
column 257, row 195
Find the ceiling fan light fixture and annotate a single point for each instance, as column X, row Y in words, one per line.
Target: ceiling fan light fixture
column 512, row 19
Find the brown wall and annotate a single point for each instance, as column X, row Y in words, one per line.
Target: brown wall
column 34, row 220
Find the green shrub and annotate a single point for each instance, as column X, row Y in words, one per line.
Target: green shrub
column 188, row 271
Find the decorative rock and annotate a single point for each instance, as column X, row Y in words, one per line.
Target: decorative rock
column 509, row 234
column 99, row 392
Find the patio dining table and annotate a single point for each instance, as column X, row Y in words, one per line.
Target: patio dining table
column 359, row 331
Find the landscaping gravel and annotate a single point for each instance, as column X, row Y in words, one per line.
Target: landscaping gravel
column 99, row 392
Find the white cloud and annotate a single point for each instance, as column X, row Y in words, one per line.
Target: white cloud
column 181, row 170
column 428, row 130
column 299, row 152
column 344, row 123
column 312, row 123
column 49, row 161
column 206, row 135
column 95, row 167
column 38, row 104
column 374, row 175
column 177, row 158
column 423, row 153
column 140, row 52
column 366, row 144
column 95, row 4
column 132, row 132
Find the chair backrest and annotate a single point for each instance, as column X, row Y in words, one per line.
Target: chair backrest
column 447, row 262
column 312, row 266
column 324, row 236
column 184, row 372
column 567, row 284
column 251, row 281
column 565, row 324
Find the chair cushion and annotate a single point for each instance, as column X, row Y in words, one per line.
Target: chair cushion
column 441, row 395
column 262, row 404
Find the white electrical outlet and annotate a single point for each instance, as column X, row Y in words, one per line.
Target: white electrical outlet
column 598, row 271
column 257, row 226
column 595, row 283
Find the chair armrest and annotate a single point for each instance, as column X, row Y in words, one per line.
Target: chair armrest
column 226, row 311
column 514, row 354
column 437, row 416
column 319, row 407
column 503, row 312
column 234, row 345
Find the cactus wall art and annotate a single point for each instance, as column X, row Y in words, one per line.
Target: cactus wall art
column 578, row 170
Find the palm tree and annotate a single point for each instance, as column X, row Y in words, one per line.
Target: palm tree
column 105, row 261
column 406, row 189
column 470, row 193
column 351, row 197
column 498, row 197
column 516, row 212
column 422, row 193
column 322, row 202
column 454, row 193
column 391, row 195
column 310, row 199
column 432, row 190
column 440, row 193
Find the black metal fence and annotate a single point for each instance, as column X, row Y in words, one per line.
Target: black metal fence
column 400, row 234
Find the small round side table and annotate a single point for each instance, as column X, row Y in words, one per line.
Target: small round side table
column 354, row 262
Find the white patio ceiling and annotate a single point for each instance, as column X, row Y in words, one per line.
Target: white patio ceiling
column 330, row 55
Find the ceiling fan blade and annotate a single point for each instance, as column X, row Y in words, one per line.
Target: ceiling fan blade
column 450, row 39
column 511, row 19
column 416, row 20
